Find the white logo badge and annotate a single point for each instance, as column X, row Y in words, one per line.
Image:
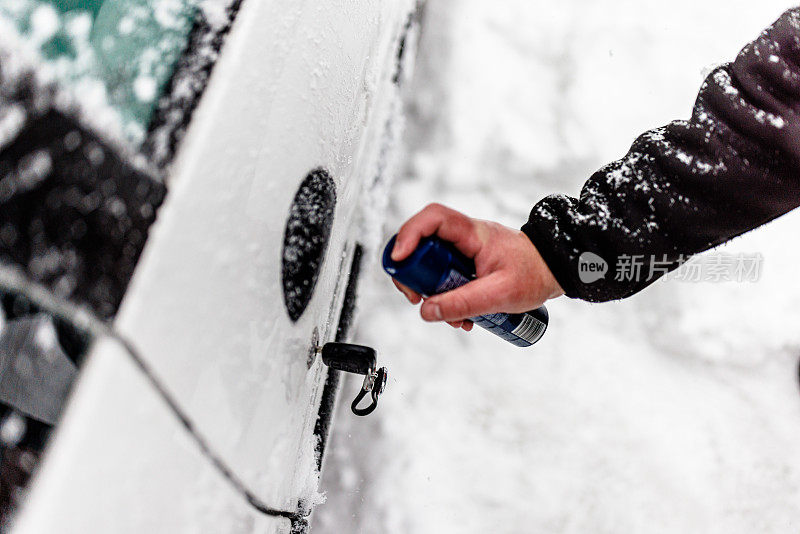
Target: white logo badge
column 591, row 267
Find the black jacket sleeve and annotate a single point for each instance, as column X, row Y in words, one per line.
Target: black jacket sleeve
column 690, row 185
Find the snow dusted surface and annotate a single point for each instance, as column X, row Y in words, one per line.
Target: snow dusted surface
column 205, row 307
column 141, row 472
column 677, row 410
column 200, row 311
column 117, row 53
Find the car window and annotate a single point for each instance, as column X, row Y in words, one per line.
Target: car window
column 40, row 354
column 116, row 52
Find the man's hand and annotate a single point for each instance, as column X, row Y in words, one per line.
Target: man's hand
column 511, row 275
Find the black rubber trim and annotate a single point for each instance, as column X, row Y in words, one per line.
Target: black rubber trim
column 186, row 86
column 322, row 428
column 402, row 48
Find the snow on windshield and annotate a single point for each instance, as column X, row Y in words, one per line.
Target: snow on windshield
column 119, row 52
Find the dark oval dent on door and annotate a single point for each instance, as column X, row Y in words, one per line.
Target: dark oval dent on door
column 305, row 239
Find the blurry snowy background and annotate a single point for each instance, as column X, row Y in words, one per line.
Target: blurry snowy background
column 675, row 411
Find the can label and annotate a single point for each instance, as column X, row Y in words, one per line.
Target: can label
column 530, row 329
column 455, row 279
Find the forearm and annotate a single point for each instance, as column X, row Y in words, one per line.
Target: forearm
column 691, row 185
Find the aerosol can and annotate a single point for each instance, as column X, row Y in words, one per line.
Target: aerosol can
column 436, row 266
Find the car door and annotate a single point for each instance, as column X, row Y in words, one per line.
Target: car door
column 260, row 150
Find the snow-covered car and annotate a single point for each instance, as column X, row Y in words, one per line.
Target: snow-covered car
column 185, row 187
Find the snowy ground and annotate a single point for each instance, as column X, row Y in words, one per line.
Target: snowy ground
column 675, row 411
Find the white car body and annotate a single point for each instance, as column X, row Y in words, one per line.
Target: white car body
column 203, row 418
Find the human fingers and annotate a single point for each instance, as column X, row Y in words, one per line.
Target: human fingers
column 482, row 296
column 447, row 223
column 412, row 296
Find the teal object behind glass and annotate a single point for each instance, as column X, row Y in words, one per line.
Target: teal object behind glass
column 128, row 48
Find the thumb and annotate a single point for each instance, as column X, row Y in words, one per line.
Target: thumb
column 478, row 297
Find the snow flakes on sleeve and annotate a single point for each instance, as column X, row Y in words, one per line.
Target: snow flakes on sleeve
column 690, row 185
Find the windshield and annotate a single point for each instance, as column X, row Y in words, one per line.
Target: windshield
column 116, row 52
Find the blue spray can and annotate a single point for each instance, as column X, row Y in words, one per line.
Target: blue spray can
column 436, row 266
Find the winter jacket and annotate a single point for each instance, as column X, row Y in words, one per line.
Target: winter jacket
column 690, row 185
